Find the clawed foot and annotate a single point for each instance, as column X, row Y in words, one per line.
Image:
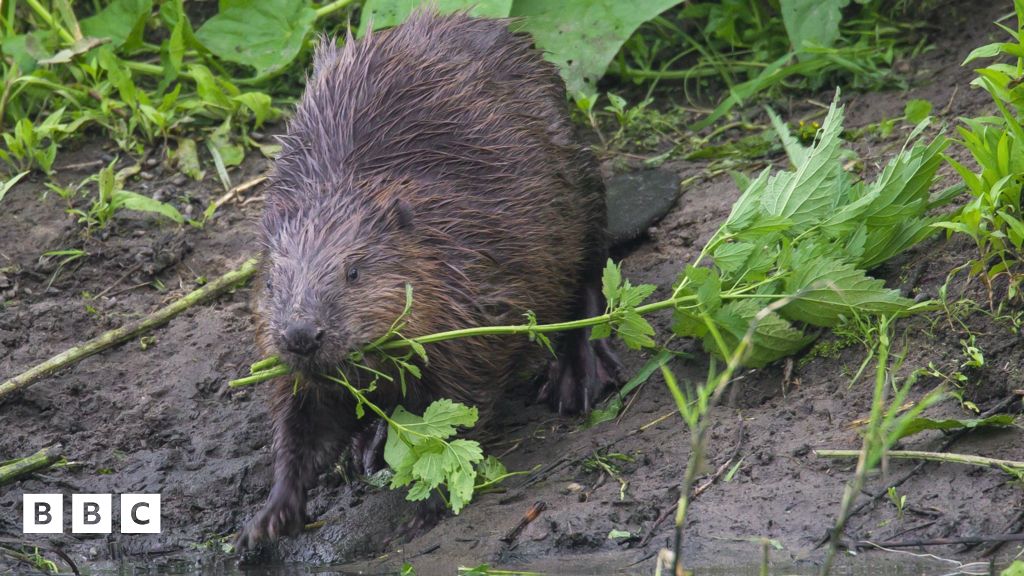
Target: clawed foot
column 368, row 448
column 580, row 375
column 280, row 516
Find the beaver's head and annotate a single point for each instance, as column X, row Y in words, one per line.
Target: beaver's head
column 335, row 275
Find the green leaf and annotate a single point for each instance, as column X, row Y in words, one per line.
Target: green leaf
column 388, row 13
column 583, row 36
column 1014, row 569
column 812, row 23
column 619, row 534
column 264, row 34
column 138, row 202
column 920, row 424
column 491, row 469
column 6, row 185
column 186, row 159
column 826, row 289
column 614, row 404
column 123, row 21
column 260, row 104
column 635, row 332
column 611, row 279
column 917, row 110
column 810, row 193
column 443, row 416
column 773, row 337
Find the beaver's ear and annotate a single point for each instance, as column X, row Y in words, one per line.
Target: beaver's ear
column 399, row 215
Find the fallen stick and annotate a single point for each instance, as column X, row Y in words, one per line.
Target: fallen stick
column 131, row 330
column 24, row 466
column 931, row 457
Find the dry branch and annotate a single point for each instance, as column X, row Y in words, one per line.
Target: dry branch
column 131, row 330
column 23, row 466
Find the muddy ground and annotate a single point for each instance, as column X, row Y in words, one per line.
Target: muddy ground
column 161, row 419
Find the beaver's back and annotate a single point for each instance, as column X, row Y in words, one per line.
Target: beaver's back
column 468, row 123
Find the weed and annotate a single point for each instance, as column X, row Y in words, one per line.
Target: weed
column 996, row 143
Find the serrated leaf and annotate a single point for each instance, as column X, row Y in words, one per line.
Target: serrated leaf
column 632, row 296
column 732, row 256
column 808, row 194
column 773, row 337
column 491, row 469
column 635, row 332
column 611, row 279
column 430, row 466
column 419, row 490
column 826, row 289
column 442, row 417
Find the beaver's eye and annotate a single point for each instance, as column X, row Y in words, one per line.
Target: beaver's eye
column 353, row 274
column 270, row 285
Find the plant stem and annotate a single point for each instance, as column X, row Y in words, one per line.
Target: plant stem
column 948, row 457
column 261, row 375
column 537, row 328
column 42, row 459
column 114, row 337
column 331, row 7
column 46, row 16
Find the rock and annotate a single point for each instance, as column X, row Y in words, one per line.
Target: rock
column 637, row 201
column 179, row 180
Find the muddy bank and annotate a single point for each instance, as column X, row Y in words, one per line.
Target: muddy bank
column 160, row 418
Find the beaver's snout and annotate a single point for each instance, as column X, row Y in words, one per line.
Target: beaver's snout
column 302, row 338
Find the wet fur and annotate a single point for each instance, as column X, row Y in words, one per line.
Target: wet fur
column 438, row 154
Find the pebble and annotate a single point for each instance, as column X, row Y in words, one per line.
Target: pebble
column 146, row 175
column 152, row 161
column 256, row 135
column 179, row 180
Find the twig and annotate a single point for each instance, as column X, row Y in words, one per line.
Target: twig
column 530, row 516
column 949, row 457
column 942, row 541
column 4, row 542
column 234, row 192
column 23, row 466
column 956, row 435
column 129, row 331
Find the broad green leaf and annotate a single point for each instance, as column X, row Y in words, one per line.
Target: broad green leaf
column 266, row 35
column 491, row 469
column 920, row 424
column 917, row 110
column 430, row 467
column 443, row 416
column 809, row 193
column 138, row 202
column 825, row 289
column 812, row 22
column 635, row 332
column 186, row 159
column 773, row 337
column 388, row 13
column 123, row 21
column 582, row 36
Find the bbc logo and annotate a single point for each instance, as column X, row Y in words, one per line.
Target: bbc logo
column 90, row 513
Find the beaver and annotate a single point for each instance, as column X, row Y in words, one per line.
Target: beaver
column 439, row 154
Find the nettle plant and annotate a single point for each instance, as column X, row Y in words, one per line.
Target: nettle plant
column 794, row 255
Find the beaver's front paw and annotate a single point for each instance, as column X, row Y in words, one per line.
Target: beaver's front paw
column 279, row 517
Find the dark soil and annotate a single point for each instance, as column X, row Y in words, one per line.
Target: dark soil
column 161, row 419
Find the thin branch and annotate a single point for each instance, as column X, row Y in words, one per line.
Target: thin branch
column 131, row 330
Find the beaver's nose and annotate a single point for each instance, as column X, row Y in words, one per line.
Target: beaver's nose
column 302, row 338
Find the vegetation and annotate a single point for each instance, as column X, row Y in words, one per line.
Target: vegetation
column 795, row 257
